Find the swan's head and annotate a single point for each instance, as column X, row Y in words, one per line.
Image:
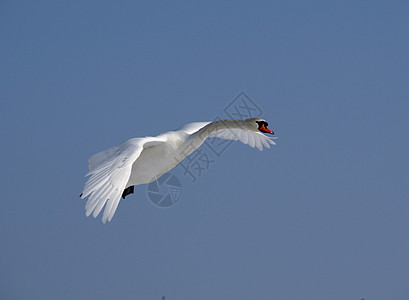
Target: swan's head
column 260, row 125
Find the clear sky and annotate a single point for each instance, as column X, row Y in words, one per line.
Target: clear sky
column 322, row 215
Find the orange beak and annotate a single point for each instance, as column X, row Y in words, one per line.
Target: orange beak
column 265, row 129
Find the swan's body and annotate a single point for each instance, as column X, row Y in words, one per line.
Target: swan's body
column 115, row 171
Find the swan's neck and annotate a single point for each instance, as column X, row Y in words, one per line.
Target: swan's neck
column 219, row 125
column 197, row 139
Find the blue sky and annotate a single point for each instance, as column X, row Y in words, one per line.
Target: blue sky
column 322, row 215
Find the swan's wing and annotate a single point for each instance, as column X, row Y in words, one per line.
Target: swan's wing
column 251, row 138
column 109, row 173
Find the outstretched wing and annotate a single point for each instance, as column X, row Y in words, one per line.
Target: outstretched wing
column 251, row 138
column 109, row 173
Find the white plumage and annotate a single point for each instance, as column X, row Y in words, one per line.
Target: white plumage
column 143, row 160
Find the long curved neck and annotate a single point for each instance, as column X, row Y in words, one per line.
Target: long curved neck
column 219, row 125
column 197, row 139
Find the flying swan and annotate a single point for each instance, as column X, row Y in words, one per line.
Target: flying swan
column 114, row 172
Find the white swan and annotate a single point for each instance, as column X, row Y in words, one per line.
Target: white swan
column 115, row 171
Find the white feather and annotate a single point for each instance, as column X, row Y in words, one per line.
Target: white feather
column 250, row 138
column 109, row 174
column 142, row 160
